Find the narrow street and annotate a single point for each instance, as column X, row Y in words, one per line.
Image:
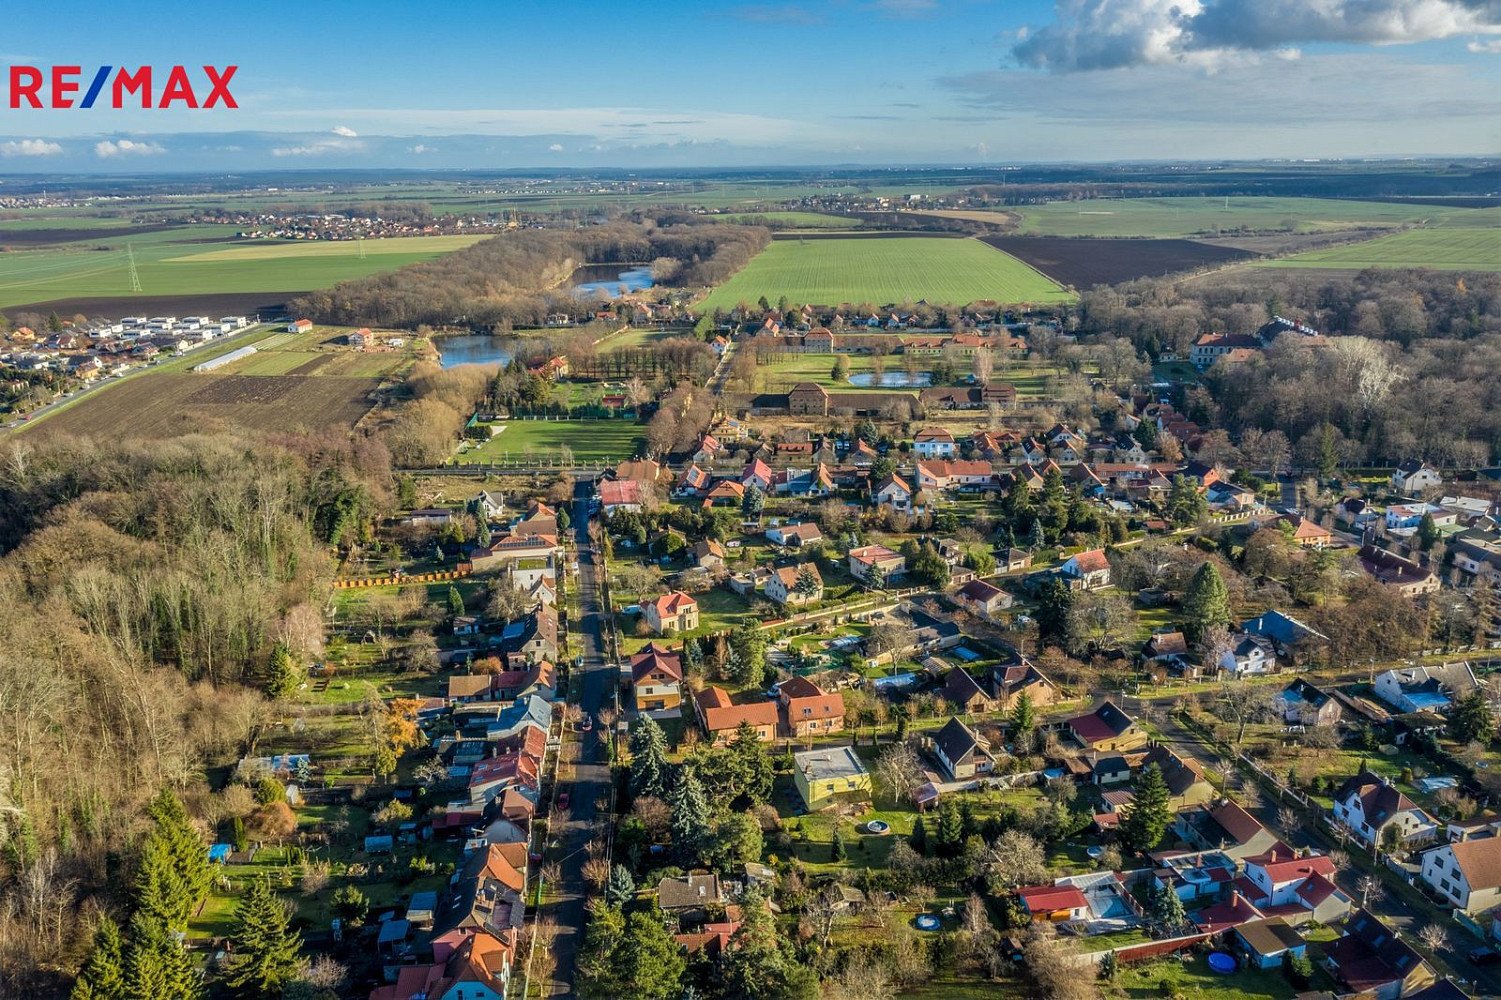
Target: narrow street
column 590, row 782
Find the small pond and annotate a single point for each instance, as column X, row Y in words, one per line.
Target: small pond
column 475, row 349
column 607, row 279
column 893, row 380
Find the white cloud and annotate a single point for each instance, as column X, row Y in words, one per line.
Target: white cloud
column 1110, row 34
column 556, row 147
column 29, row 147
column 419, row 149
column 345, row 131
column 127, row 147
column 1484, row 48
column 320, row 147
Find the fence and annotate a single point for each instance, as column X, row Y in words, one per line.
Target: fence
column 404, row 579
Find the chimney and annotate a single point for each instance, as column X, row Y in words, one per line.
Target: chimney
column 1235, row 899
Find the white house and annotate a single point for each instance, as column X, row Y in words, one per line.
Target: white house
column 1252, row 654
column 1089, row 570
column 1367, row 805
column 781, row 586
column 892, row 491
column 1415, row 477
column 1467, row 873
column 1426, row 688
column 933, row 442
column 868, row 557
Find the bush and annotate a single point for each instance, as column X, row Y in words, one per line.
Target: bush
column 268, row 790
column 1300, row 970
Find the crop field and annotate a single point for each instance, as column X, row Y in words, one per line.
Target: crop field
column 882, row 271
column 1443, row 249
column 170, row 404
column 611, row 441
column 793, row 220
column 191, row 260
column 1082, row 262
column 1177, row 217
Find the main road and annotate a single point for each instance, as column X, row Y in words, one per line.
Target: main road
column 589, row 784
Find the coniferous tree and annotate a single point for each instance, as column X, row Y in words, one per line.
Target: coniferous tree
column 103, row 974
column 282, row 675
column 689, row 820
column 1023, row 717
column 919, row 837
column 651, row 963
column 836, row 847
column 159, row 890
column 1150, row 811
column 455, row 601
column 649, row 769
column 1206, row 605
column 267, row 950
column 156, row 966
column 599, row 974
column 620, row 887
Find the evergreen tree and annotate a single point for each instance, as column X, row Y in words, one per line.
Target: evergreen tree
column 1167, row 910
column 1150, row 811
column 1427, row 532
column 1109, row 964
column 807, row 581
column 753, row 769
column 406, row 492
column 482, row 534
column 919, row 838
column 455, row 601
column 621, row 887
column 1146, row 434
column 749, row 646
column 650, row 962
column 156, row 966
column 950, row 833
column 689, row 821
column 836, row 847
column 1471, row 718
column 649, row 770
column 752, row 502
column 1023, row 718
column 159, row 890
column 282, row 674
column 1185, row 504
column 875, row 578
column 693, row 657
column 1206, row 604
column 266, row 948
column 103, row 974
column 598, row 973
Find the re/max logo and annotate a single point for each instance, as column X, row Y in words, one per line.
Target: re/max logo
column 58, row 87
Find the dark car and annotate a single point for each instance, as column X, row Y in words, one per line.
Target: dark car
column 1485, row 956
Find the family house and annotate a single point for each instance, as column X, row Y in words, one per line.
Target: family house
column 822, row 775
column 1251, row 654
column 1367, row 805
column 1403, row 575
column 1269, row 942
column 1292, row 640
column 794, row 536
column 1371, row 960
column 1414, row 478
column 672, row 612
column 1107, row 728
column 865, row 560
column 1305, row 533
column 1297, row 887
column 1467, row 873
column 933, row 442
column 893, row 491
column 1087, row 570
column 1426, row 688
column 982, row 599
column 1304, row 704
column 690, row 897
column 964, row 694
column 962, row 753
column 808, row 710
column 720, row 717
column 794, row 585
column 1226, row 827
column 1054, row 903
column 656, row 679
column 1009, row 681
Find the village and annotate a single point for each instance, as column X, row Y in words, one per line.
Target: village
column 916, row 689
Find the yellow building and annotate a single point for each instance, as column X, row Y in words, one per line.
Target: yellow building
column 820, row 775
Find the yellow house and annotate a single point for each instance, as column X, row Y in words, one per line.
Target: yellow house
column 820, row 775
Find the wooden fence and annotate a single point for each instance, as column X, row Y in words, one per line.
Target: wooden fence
column 400, row 581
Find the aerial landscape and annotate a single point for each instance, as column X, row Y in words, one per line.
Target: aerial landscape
column 822, row 501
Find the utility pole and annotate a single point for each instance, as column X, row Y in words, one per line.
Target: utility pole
column 130, row 263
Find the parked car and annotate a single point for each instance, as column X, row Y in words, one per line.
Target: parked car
column 1485, row 956
column 562, row 800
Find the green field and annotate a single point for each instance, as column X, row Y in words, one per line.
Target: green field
column 173, row 262
column 1170, row 217
column 884, row 271
column 609, row 441
column 1444, row 249
column 794, row 220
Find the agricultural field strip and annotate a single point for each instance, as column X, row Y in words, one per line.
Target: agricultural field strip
column 1443, row 249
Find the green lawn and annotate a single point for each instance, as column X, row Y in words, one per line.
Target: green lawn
column 1444, row 249
column 171, row 262
column 884, row 271
column 1194, row 979
column 1169, row 217
column 610, row 441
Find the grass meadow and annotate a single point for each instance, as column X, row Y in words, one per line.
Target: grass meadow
column 881, row 271
column 1169, row 217
column 591, row 441
column 1443, row 249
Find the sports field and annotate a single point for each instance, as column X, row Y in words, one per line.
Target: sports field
column 196, row 259
column 884, row 272
column 1442, row 249
column 1169, row 217
column 610, row 441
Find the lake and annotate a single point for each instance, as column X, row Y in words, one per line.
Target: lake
column 893, row 380
column 475, row 349
column 607, row 279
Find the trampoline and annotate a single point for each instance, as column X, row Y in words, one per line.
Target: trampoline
column 926, row 922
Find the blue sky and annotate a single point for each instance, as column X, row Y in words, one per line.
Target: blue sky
column 523, row 83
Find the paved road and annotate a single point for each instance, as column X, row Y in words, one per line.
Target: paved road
column 591, row 778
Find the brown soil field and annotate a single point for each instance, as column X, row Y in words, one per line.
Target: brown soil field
column 311, row 367
column 1084, row 261
column 170, row 404
column 47, row 237
column 267, row 304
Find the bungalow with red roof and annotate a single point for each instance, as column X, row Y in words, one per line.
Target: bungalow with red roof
column 478, row 969
column 1107, row 728
column 621, row 494
column 720, row 717
column 672, row 612
column 1087, row 570
column 1054, row 903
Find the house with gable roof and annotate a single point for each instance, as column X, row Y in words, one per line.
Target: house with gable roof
column 1367, row 804
column 1107, row 728
column 1371, row 960
column 809, row 710
column 961, row 752
column 672, row 612
column 1467, row 873
column 656, row 679
column 1088, row 570
column 1425, row 688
